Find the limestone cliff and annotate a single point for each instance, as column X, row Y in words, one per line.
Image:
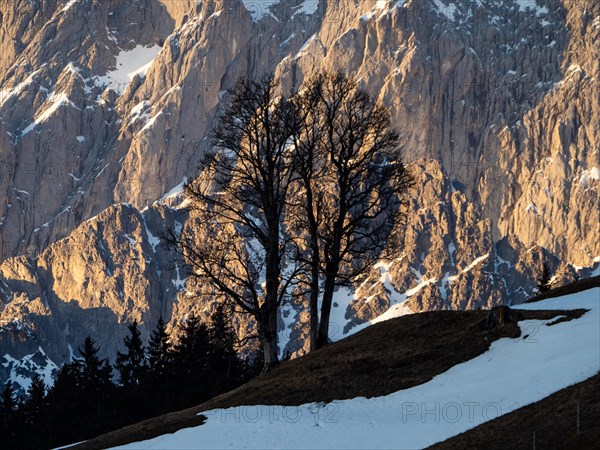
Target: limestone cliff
column 105, row 107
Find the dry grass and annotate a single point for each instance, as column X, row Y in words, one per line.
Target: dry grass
column 384, row 358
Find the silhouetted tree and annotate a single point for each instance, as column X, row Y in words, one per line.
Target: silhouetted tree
column 243, row 198
column 94, row 379
column 8, row 401
column 544, row 282
column 191, row 362
column 36, row 399
column 95, row 373
column 159, row 350
column 8, row 416
column 132, row 365
column 353, row 185
column 83, row 402
column 225, row 366
column 33, row 414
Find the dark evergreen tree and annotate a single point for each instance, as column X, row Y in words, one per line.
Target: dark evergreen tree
column 8, row 417
column 67, row 412
column 159, row 350
column 36, row 399
column 8, row 402
column 95, row 373
column 225, row 366
column 221, row 332
column 160, row 386
column 83, row 402
column 191, row 361
column 33, row 415
column 544, row 279
column 95, row 382
column 132, row 365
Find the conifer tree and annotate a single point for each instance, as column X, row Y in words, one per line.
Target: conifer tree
column 95, row 373
column 36, row 399
column 225, row 365
column 192, row 351
column 191, row 362
column 95, row 379
column 159, row 350
column 33, row 415
column 544, row 283
column 8, row 416
column 8, row 405
column 66, row 410
column 132, row 365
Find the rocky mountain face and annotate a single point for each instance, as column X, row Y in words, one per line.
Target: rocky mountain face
column 105, row 108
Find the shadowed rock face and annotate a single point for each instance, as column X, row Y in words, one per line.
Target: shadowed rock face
column 497, row 103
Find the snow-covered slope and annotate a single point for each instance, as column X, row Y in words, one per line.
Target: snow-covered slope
column 511, row 374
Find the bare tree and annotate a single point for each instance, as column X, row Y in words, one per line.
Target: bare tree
column 353, row 179
column 237, row 239
column 305, row 206
column 303, row 190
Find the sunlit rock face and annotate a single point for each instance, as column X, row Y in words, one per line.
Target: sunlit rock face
column 105, row 108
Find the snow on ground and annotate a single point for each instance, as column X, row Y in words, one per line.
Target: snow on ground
column 305, row 46
column 22, row 369
column 448, row 10
column 129, row 64
column 5, row 94
column 259, row 9
column 289, row 318
column 510, row 375
column 308, row 7
column 589, row 175
column 56, row 101
column 344, row 296
column 387, row 6
column 533, row 6
column 153, row 240
column 68, row 5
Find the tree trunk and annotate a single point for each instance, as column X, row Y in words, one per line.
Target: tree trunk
column 271, row 304
column 315, row 265
column 314, row 309
column 328, row 291
column 267, row 329
column 314, row 286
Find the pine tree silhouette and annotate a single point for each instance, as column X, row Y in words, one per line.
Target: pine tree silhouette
column 132, row 366
column 67, row 412
column 225, row 366
column 36, row 399
column 33, row 415
column 191, row 362
column 8, row 401
column 160, row 386
column 159, row 350
column 8, row 417
column 95, row 378
column 544, row 279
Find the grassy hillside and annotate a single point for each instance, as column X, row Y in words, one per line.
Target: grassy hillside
column 384, row 358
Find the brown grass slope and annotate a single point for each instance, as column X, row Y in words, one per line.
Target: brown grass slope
column 548, row 424
column 398, row 354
